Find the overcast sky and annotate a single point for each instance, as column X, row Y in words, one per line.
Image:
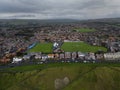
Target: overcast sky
column 59, row 9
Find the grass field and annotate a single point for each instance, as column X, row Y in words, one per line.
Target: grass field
column 81, row 46
column 82, row 77
column 84, row 30
column 42, row 47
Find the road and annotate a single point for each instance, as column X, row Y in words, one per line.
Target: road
column 55, row 61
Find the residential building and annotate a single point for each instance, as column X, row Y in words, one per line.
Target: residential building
column 17, row 59
column 112, row 56
column 67, row 55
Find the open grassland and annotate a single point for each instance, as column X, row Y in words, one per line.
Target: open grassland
column 42, row 77
column 84, row 30
column 81, row 46
column 42, row 47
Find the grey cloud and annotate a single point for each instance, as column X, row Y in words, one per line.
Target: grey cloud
column 81, row 9
column 23, row 16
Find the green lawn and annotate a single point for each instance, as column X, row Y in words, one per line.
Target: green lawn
column 84, row 30
column 42, row 47
column 81, row 46
column 82, row 77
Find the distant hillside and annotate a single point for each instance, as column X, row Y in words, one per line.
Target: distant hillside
column 38, row 21
column 81, row 76
column 54, row 21
column 103, row 20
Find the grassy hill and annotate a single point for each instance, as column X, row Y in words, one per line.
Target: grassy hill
column 81, row 46
column 42, row 77
column 42, row 47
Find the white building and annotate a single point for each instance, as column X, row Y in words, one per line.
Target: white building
column 38, row 57
column 16, row 60
column 81, row 55
column 112, row 56
column 26, row 57
column 92, row 56
column 44, row 58
column 55, row 45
